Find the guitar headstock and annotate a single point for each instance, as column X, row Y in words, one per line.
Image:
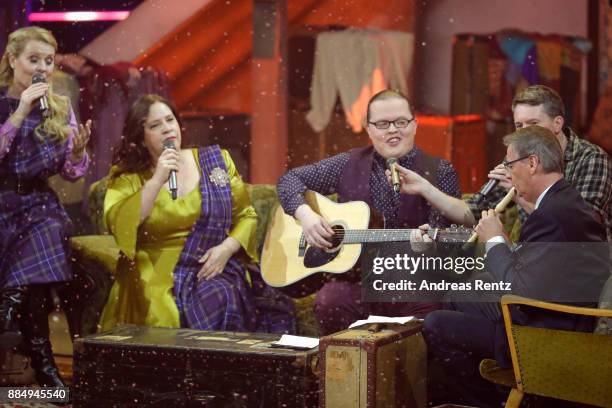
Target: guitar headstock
column 454, row 233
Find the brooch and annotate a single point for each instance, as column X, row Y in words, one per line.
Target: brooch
column 219, row 177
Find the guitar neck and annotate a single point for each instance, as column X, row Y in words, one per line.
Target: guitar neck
column 379, row 235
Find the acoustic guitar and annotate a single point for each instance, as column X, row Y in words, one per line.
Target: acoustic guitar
column 290, row 264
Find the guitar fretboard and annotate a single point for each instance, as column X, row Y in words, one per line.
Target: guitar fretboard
column 377, row 235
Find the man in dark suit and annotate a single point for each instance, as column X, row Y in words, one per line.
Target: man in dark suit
column 555, row 261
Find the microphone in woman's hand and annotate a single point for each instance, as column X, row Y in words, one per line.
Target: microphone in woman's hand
column 44, row 103
column 172, row 185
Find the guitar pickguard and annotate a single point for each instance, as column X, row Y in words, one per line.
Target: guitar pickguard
column 316, row 257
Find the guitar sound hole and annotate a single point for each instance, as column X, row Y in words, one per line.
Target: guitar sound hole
column 338, row 237
column 315, row 257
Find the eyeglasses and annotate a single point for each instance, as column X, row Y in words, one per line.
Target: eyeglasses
column 398, row 123
column 508, row 164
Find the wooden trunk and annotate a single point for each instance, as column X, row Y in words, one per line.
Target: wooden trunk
column 133, row 366
column 230, row 130
column 470, row 75
column 15, row 369
column 370, row 368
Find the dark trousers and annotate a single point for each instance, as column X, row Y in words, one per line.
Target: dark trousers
column 457, row 340
column 338, row 304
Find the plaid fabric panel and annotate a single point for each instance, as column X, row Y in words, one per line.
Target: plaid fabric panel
column 33, row 227
column 30, row 157
column 589, row 170
column 490, row 201
column 33, row 251
column 223, row 302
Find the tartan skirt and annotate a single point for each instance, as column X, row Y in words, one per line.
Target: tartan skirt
column 34, row 244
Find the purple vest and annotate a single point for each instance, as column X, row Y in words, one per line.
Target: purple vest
column 355, row 185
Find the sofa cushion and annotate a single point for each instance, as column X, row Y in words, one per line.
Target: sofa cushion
column 263, row 197
column 95, row 205
column 307, row 323
column 265, row 201
column 101, row 248
column 94, row 258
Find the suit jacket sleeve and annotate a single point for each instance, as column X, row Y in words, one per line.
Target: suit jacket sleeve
column 536, row 262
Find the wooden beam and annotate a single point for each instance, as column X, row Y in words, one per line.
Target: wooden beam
column 269, row 91
column 593, row 59
column 188, row 43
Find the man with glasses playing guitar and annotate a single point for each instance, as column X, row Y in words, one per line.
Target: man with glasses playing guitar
column 359, row 175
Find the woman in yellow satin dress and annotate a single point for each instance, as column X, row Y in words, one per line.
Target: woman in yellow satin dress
column 179, row 263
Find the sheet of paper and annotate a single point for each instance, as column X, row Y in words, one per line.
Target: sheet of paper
column 213, row 338
column 111, row 337
column 382, row 319
column 297, row 341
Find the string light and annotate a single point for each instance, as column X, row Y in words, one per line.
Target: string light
column 75, row 16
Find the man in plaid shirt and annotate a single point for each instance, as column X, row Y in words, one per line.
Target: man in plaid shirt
column 587, row 166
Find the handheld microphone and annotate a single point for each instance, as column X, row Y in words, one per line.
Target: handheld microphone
column 486, row 189
column 169, row 144
column 43, row 101
column 391, row 161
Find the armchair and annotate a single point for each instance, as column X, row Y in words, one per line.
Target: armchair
column 572, row 366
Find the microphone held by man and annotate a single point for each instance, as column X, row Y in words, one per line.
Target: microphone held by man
column 486, row 189
column 395, row 180
column 172, row 184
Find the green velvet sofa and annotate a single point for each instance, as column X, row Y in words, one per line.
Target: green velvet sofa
column 94, row 258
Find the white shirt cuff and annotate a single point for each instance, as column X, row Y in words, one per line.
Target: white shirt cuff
column 498, row 239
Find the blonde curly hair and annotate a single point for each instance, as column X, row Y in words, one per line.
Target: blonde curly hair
column 54, row 127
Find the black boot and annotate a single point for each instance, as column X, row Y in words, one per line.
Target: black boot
column 11, row 303
column 36, row 337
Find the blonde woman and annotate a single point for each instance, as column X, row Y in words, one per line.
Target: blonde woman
column 34, row 145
